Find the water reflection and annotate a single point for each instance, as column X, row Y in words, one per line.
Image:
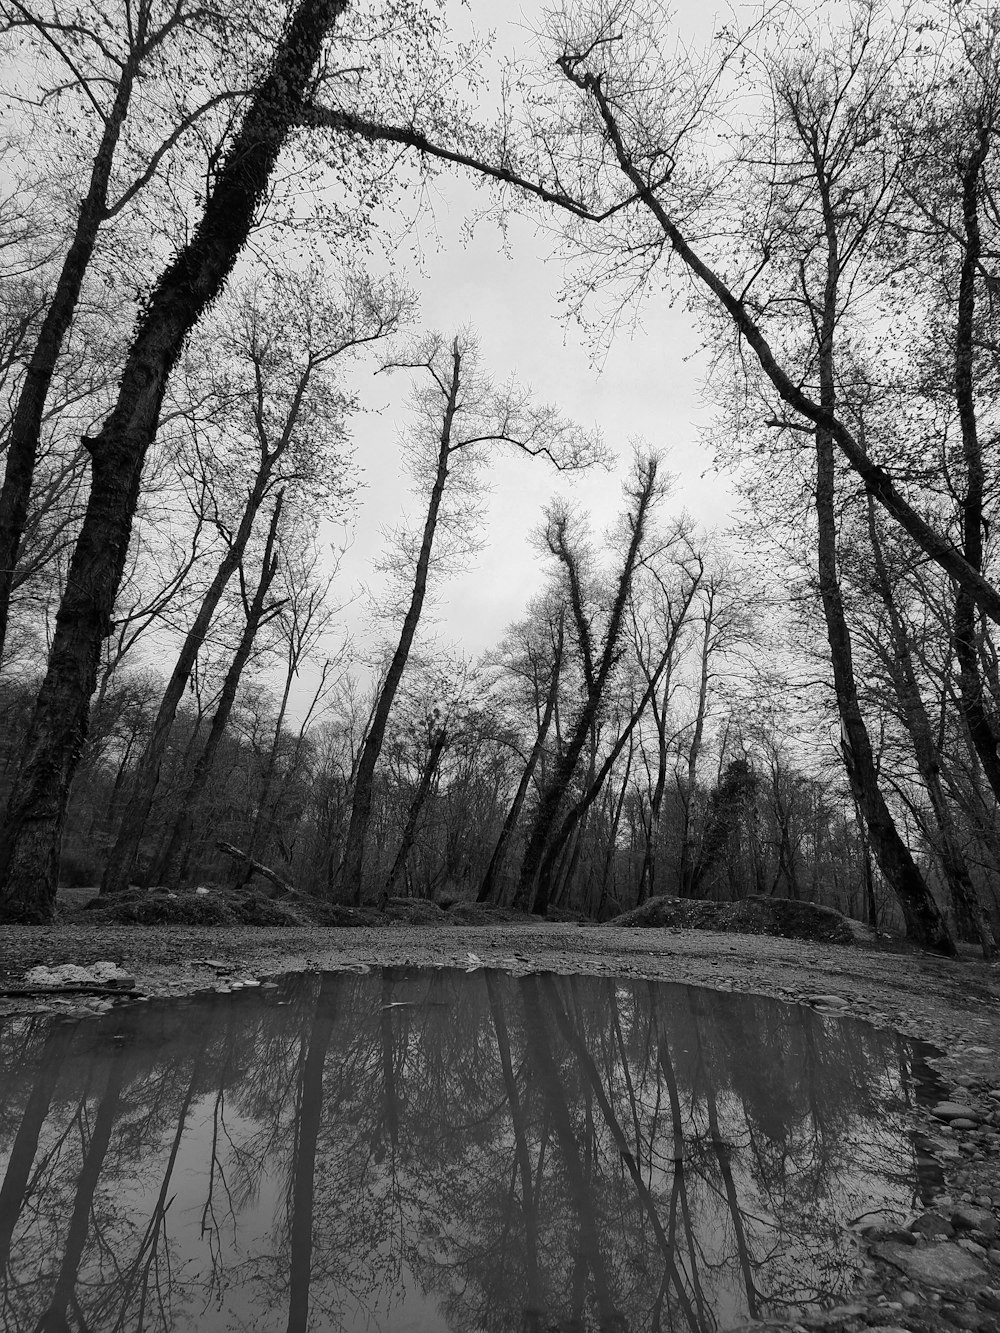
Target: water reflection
column 430, row 1150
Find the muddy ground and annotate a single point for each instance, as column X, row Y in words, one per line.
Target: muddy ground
column 955, row 1005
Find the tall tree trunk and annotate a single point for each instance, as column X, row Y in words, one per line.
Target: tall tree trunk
column 609, row 873
column 174, row 858
column 26, row 425
column 556, row 841
column 146, row 778
column 924, row 923
column 651, row 819
column 530, row 888
column 352, row 863
column 413, row 814
column 487, row 888
column 901, row 670
column 970, row 680
column 686, row 869
column 270, row 765
column 29, row 852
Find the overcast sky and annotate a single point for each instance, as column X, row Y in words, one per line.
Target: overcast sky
column 647, row 384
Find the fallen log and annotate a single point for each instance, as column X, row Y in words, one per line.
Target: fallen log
column 257, row 868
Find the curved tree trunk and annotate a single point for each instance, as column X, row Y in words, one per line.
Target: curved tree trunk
column 352, row 862
column 29, row 853
column 925, row 924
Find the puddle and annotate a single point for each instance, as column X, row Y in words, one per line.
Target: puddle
column 411, row 1151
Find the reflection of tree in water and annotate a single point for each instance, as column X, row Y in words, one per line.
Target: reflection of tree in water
column 484, row 1152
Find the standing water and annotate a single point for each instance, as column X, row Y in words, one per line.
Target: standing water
column 411, row 1151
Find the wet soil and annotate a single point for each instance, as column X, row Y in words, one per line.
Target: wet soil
column 952, row 1004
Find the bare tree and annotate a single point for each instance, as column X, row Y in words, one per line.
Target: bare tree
column 598, row 656
column 104, row 58
column 29, row 852
column 459, row 411
column 290, row 419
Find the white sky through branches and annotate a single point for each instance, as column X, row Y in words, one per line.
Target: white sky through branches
column 646, row 384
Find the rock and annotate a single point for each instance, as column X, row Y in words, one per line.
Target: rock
column 872, row 1234
column 831, row 1001
column 943, row 1265
column 969, row 1218
column 972, row 1247
column 954, row 1111
column 104, row 973
column 960, row 1122
column 932, row 1224
column 965, row 1318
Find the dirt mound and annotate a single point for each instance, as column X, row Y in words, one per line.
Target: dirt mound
column 748, row 916
column 413, row 912
column 679, row 913
column 219, row 907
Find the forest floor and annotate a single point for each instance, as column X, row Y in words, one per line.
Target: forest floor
column 952, row 1004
